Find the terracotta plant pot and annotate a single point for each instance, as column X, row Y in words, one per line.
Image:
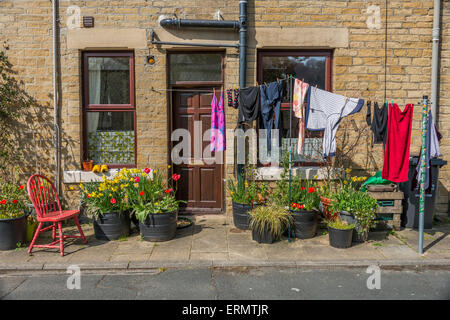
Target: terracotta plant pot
column 87, row 165
column 326, row 202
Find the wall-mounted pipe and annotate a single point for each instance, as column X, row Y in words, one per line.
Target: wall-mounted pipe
column 191, row 44
column 193, row 23
column 55, row 92
column 435, row 59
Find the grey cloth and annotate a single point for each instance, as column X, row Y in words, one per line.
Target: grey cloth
column 432, row 150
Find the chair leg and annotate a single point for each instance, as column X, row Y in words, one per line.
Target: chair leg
column 54, row 231
column 79, row 229
column 36, row 234
column 61, row 239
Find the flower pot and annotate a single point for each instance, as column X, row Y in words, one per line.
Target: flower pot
column 360, row 237
column 12, row 231
column 305, row 223
column 262, row 237
column 31, row 228
column 87, row 165
column 347, row 216
column 159, row 226
column 326, row 202
column 241, row 216
column 340, row 238
column 112, row 225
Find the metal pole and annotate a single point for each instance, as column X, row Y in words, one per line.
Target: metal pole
column 422, row 171
column 290, row 150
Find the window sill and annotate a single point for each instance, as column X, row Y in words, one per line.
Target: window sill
column 274, row 173
column 79, row 176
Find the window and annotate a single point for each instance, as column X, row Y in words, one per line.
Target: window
column 109, row 108
column 315, row 69
column 189, row 67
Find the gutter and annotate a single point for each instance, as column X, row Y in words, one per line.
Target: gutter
column 435, row 59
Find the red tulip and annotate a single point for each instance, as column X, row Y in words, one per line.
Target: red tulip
column 147, row 170
column 176, row 177
column 168, row 190
column 136, row 179
column 142, row 193
column 311, row 190
column 21, row 187
column 3, row 201
column 113, row 201
column 14, row 201
column 303, row 188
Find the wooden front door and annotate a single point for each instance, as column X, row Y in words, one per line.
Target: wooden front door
column 201, row 183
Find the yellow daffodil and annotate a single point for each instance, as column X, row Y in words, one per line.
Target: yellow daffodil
column 345, row 182
column 71, row 187
column 348, row 170
column 136, row 185
column 315, row 177
column 169, row 166
column 81, row 186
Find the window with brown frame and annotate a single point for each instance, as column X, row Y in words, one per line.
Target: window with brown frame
column 109, row 110
column 314, row 67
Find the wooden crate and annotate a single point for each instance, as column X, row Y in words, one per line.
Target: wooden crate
column 396, row 210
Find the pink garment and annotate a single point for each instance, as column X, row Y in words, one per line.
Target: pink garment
column 217, row 123
column 300, row 89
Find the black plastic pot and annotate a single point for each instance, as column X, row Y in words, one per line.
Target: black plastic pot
column 305, row 223
column 350, row 218
column 262, row 237
column 241, row 216
column 159, row 226
column 359, row 237
column 12, row 231
column 340, row 238
column 112, row 225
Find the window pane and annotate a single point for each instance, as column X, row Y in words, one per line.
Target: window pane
column 109, row 80
column 311, row 68
column 111, row 137
column 195, row 67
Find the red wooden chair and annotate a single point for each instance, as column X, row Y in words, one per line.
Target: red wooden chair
column 45, row 200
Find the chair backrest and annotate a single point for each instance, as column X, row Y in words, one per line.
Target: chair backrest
column 43, row 195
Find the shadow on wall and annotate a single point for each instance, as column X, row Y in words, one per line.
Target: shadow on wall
column 26, row 129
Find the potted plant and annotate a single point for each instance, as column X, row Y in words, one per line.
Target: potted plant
column 87, row 165
column 268, row 223
column 304, row 208
column 340, row 233
column 13, row 215
column 245, row 196
column 355, row 207
column 154, row 204
column 107, row 202
column 31, row 227
column 364, row 212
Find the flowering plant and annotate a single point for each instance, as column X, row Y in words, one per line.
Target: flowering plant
column 148, row 194
column 106, row 196
column 12, row 201
column 248, row 193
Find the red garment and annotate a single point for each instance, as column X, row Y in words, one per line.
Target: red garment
column 396, row 155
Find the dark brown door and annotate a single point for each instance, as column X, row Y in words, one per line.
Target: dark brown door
column 201, row 185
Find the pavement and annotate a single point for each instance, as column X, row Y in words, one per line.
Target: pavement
column 213, row 241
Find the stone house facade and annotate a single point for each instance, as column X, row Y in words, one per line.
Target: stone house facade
column 358, row 55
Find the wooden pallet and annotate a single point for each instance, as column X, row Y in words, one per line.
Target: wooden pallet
column 396, row 210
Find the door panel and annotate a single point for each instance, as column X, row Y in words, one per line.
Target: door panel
column 201, row 184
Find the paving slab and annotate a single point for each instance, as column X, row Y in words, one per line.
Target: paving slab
column 398, row 252
column 209, row 256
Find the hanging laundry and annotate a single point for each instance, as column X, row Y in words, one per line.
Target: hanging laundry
column 236, row 98
column 248, row 104
column 300, row 90
column 396, row 154
column 379, row 123
column 270, row 96
column 230, row 97
column 217, row 124
column 369, row 114
column 324, row 111
column 432, row 150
